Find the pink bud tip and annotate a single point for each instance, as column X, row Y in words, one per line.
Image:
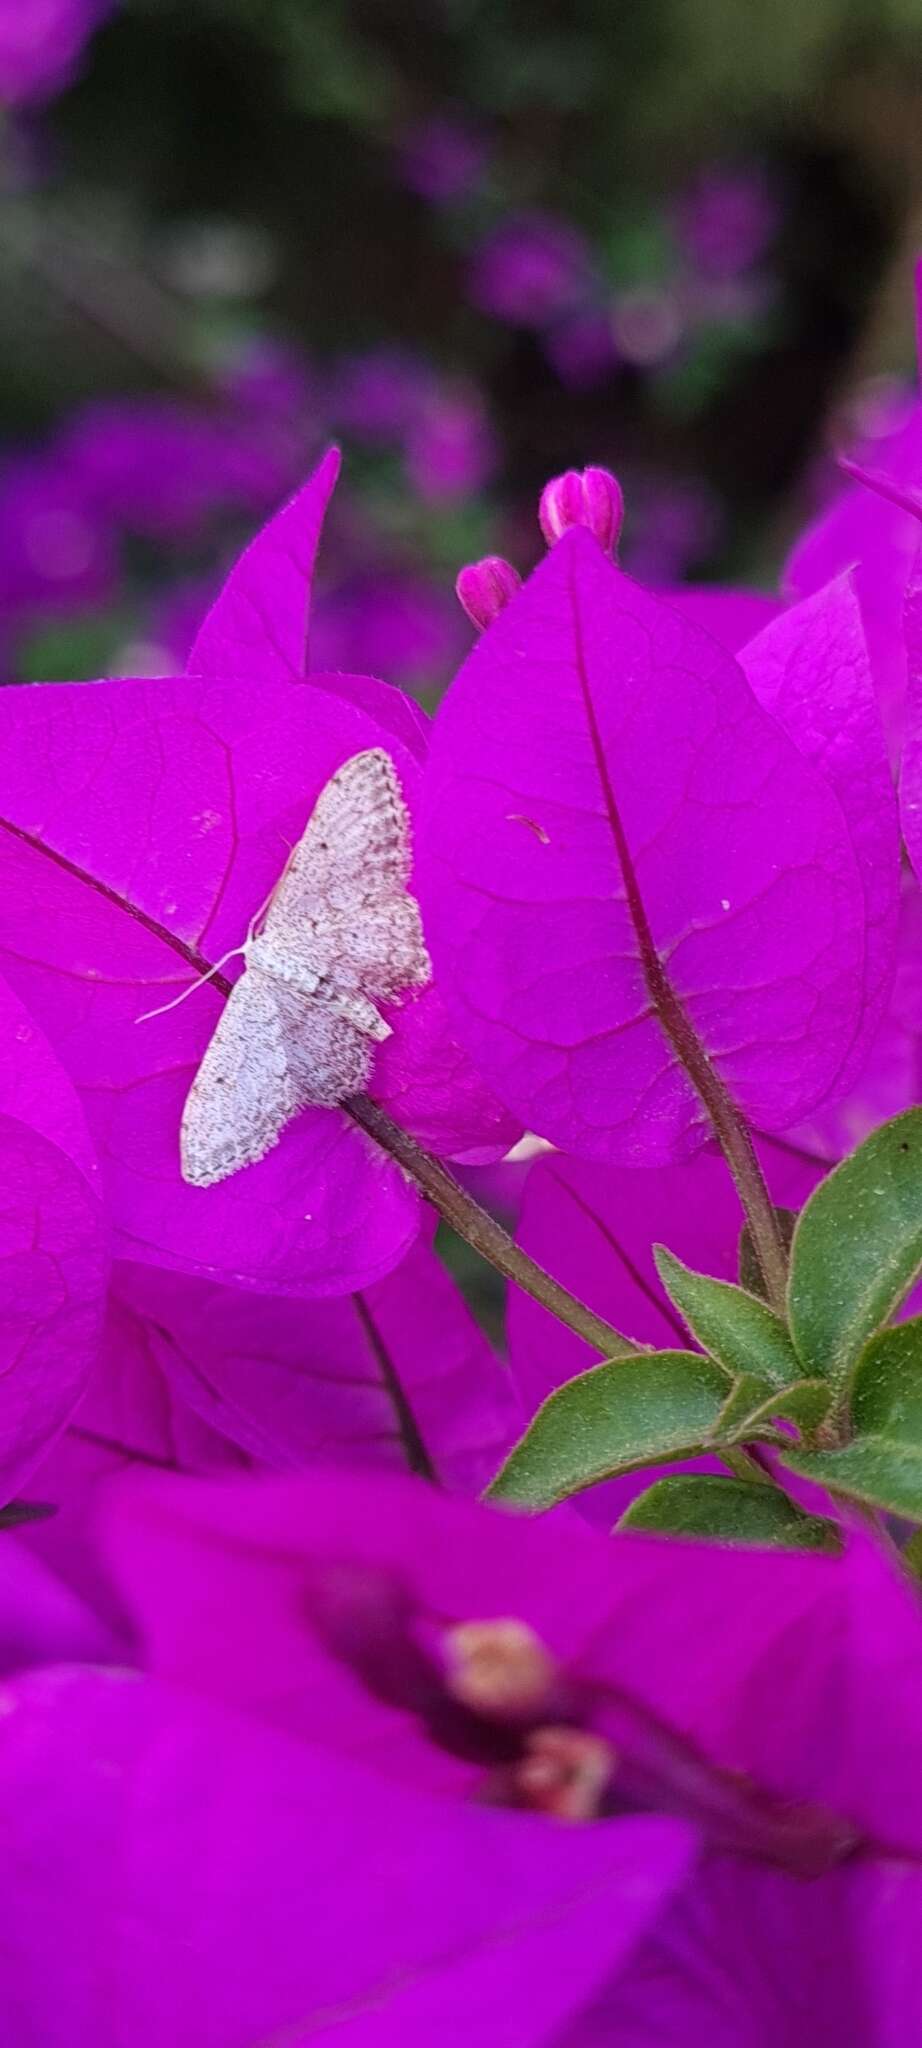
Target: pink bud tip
column 484, row 588
column 583, row 497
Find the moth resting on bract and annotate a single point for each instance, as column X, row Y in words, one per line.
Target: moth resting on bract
column 341, row 932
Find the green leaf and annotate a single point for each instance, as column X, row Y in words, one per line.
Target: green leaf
column 728, row 1511
column 857, row 1248
column 753, row 1406
column 912, row 1554
column 750, row 1270
column 630, row 1411
column 883, row 1462
column 737, row 1329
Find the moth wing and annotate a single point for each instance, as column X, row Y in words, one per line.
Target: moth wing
column 341, row 909
column 244, row 1092
column 273, row 1052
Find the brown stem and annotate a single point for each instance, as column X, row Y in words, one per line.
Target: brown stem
column 481, row 1231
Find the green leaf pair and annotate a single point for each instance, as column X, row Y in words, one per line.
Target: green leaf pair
column 856, row 1251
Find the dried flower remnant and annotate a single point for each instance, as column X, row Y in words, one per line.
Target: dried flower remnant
column 341, row 930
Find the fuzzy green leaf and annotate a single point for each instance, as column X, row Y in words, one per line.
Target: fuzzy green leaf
column 883, row 1463
column 741, row 1332
column 630, row 1411
column 857, row 1248
column 728, row 1511
column 753, row 1406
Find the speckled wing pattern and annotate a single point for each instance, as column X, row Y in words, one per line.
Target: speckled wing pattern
column 341, row 913
column 299, row 1026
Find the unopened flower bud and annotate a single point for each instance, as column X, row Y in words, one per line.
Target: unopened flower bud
column 484, row 588
column 582, row 497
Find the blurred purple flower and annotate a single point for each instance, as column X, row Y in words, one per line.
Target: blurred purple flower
column 648, row 324
column 726, row 219
column 450, row 451
column 582, row 349
column 443, row 158
column 56, row 548
column 672, row 525
column 378, row 395
column 41, row 42
column 154, row 466
column 387, row 623
column 530, row 268
column 268, row 377
column 334, row 1803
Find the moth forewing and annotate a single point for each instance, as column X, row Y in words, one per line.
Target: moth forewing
column 339, row 931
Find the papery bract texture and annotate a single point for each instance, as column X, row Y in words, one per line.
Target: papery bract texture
column 54, row 1247
column 143, row 825
column 850, row 1969
column 41, row 1619
column 891, row 1077
column 607, row 805
column 810, row 670
column 863, row 528
column 399, row 1374
column 133, row 1417
column 733, row 616
column 258, row 627
column 188, row 1879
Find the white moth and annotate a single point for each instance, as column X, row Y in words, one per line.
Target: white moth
column 340, row 933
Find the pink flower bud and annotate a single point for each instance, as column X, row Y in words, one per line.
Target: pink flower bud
column 587, row 497
column 484, row 588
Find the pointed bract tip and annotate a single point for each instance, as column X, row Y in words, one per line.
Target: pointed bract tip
column 583, row 497
column 485, row 588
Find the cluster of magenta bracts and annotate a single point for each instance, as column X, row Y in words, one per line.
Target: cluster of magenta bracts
column 646, row 837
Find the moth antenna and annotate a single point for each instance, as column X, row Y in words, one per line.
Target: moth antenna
column 193, row 985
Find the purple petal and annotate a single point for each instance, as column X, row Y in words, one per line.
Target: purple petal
column 54, row 1247
column 891, row 1079
column 810, row 669
column 183, row 1876
column 604, row 803
column 257, row 629
column 397, row 1375
column 41, row 1620
column 809, row 1683
column 732, row 616
column 862, row 528
column 806, row 1965
column 130, row 1419
column 391, row 709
